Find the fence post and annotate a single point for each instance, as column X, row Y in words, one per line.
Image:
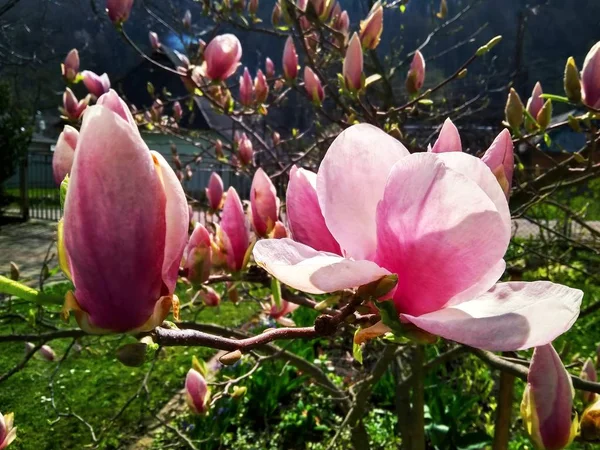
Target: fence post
column 23, row 173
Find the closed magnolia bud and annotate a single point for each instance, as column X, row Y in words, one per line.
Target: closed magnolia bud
column 501, row 160
column 269, row 67
column 14, row 271
column 548, row 401
column 209, row 296
column 279, row 231
column 124, row 273
column 313, row 86
column 177, row 111
column 590, row 422
column 261, row 88
column 73, row 108
column 290, row 60
column 197, row 392
column 29, row 346
column 342, row 23
column 246, row 89
column 132, row 355
column 535, row 102
column 253, row 7
column 187, row 19
column 590, row 78
column 97, row 85
column 276, row 138
column 264, row 203
column 571, row 81
column 197, row 256
column 8, row 432
column 514, row 110
column 214, row 191
column 47, row 353
column 64, row 153
column 353, row 65
column 222, row 57
column 70, row 67
column 245, row 150
column 233, row 233
column 276, row 14
column 232, row 292
column 219, row 149
column 588, row 372
column 231, row 358
column 371, row 27
column 118, row 10
column 416, row 74
column 154, row 42
column 545, row 115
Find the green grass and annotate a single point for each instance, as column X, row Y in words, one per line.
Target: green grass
column 94, row 385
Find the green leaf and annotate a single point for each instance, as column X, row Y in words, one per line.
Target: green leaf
column 426, row 102
column 276, row 291
column 389, row 316
column 555, row 98
column 64, row 185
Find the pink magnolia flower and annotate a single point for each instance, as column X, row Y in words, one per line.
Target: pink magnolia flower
column 441, row 222
column 222, row 57
column 232, row 235
column 73, row 108
column 264, row 203
column 278, row 313
column 371, row 27
column 261, row 88
column 535, row 102
column 590, row 77
column 548, row 400
column 448, row 140
column 290, row 60
column 588, row 372
column 269, row 67
column 416, row 74
column 353, row 64
column 97, row 85
column 8, row 432
column 125, row 225
column 197, row 256
column 197, row 392
column 313, row 85
column 70, row 67
column 64, row 152
column 118, row 10
column 154, row 41
column 246, row 89
column 214, row 191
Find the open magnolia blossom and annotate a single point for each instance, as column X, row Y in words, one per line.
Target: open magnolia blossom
column 440, row 221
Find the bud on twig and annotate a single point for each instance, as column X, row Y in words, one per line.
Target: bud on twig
column 514, row 110
column 571, row 81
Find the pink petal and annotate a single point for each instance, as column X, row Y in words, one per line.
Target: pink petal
column 511, row 316
column 439, row 231
column 64, row 152
column 264, row 203
column 448, row 140
column 114, row 223
column 501, row 160
column 351, row 181
column 112, row 101
column 233, row 224
column 304, row 213
column 535, row 102
column 590, row 77
column 309, row 270
column 177, row 216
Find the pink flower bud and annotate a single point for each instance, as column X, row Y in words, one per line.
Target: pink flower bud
column 353, row 64
column 322, row 8
column 276, row 138
column 8, row 432
column 371, row 27
column 416, row 74
column 336, row 11
column 197, row 392
column 253, row 7
column 264, row 203
column 290, row 60
column 209, row 296
column 118, row 10
column 64, row 152
column 157, row 109
column 342, row 23
column 187, row 19
column 219, row 149
column 47, row 353
column 246, row 89
column 302, row 4
column 197, row 256
column 590, row 78
column 184, row 60
column 588, row 372
column 269, row 67
column 313, row 86
column 96, row 84
column 535, row 102
column 154, row 42
column 222, row 57
column 73, row 108
column 279, row 231
column 261, row 88
column 214, row 191
column 29, row 346
column 245, row 150
column 124, row 264
column 276, row 14
column 177, row 111
column 70, row 67
column 500, row 159
column 548, row 400
column 233, row 235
